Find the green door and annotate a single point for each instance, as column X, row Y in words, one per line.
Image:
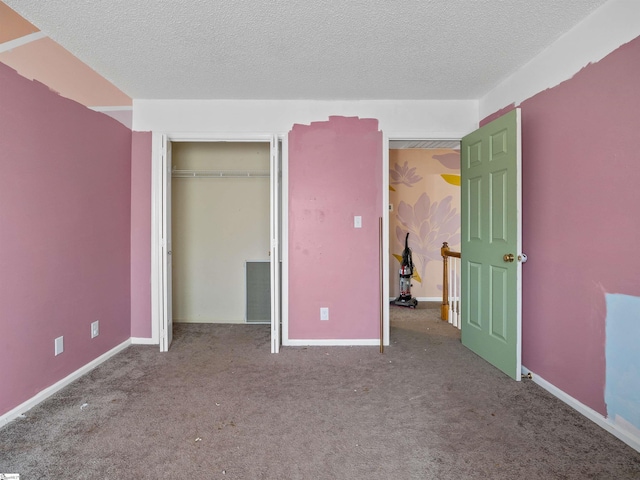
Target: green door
column 492, row 243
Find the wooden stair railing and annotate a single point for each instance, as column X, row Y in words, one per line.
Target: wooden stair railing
column 446, row 252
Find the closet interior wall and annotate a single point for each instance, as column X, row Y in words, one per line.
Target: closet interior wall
column 218, row 224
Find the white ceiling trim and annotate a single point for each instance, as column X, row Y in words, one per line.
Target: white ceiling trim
column 18, row 42
column 423, row 144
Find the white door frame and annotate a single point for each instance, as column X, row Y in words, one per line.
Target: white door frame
column 456, row 136
column 156, row 215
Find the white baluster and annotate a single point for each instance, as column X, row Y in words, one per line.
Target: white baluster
column 455, row 291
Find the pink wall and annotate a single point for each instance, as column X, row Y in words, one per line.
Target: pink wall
column 65, row 211
column 141, row 235
column 335, row 173
column 581, row 172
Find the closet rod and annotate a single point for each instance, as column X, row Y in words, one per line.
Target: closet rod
column 218, row 174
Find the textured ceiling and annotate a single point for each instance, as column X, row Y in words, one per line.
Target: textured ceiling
column 313, row 49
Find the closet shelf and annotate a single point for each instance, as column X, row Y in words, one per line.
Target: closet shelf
column 219, row 174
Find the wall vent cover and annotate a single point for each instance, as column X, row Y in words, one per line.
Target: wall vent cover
column 258, row 292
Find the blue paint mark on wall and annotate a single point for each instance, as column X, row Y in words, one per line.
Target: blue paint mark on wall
column 622, row 351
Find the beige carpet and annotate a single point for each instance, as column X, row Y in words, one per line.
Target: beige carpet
column 220, row 406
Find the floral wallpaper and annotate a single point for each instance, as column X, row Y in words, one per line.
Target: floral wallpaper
column 424, row 193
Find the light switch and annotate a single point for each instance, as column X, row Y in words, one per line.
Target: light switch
column 357, row 221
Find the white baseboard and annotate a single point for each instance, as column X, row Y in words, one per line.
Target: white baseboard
column 47, row 392
column 331, row 343
column 610, row 426
column 429, row 299
column 143, row 341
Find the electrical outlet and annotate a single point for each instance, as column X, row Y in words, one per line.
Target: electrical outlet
column 58, row 346
column 95, row 329
column 357, row 221
column 324, row 313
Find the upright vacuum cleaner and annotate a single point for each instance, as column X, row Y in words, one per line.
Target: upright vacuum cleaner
column 406, row 272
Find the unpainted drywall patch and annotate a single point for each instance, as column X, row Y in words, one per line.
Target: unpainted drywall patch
column 622, row 386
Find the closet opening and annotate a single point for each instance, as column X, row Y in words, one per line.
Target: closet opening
column 217, row 232
column 220, row 232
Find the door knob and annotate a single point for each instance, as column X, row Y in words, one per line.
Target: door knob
column 508, row 257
